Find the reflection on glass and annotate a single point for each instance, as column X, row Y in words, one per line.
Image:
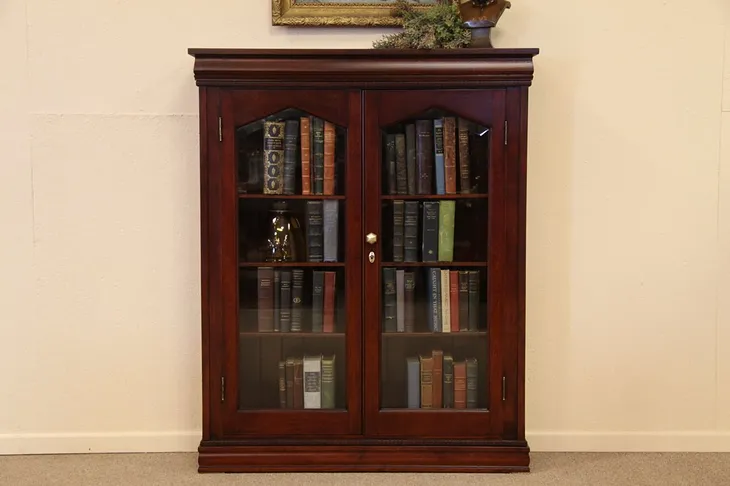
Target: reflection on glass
column 292, row 321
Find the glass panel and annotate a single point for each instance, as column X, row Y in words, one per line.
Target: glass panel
column 292, row 322
column 434, row 210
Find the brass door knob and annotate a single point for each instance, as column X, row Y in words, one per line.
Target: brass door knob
column 371, row 238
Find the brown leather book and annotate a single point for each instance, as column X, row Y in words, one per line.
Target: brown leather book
column 427, row 382
column 438, row 378
column 266, row 299
column 459, row 384
column 329, row 159
column 329, row 302
column 306, row 147
column 298, row 383
column 464, row 157
column 454, row 299
column 450, row 155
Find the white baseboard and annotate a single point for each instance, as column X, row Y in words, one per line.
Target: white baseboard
column 78, row 443
column 673, row 441
column 539, row 441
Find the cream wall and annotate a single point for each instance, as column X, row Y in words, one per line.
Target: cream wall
column 629, row 220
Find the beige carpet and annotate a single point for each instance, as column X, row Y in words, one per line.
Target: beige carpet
column 620, row 469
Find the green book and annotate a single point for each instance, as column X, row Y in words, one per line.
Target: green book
column 328, row 382
column 447, row 211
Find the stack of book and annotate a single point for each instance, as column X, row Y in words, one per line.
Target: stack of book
column 437, row 381
column 437, row 235
column 307, row 382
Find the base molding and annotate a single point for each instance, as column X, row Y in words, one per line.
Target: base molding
column 363, row 458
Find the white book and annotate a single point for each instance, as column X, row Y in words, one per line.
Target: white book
column 445, row 301
column 312, row 369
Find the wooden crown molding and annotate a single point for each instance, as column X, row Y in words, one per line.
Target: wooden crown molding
column 363, row 68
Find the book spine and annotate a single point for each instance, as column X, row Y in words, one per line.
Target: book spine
column 445, row 301
column 401, row 170
column 296, row 301
column 438, row 153
column 474, row 300
column 390, row 164
column 298, row 388
column 400, row 289
column 290, row 382
column 464, row 162
column 312, row 382
column 450, row 155
column 454, row 300
column 463, row 300
column 266, row 299
column 424, row 155
column 306, row 153
column 317, row 300
column 471, row 382
column 438, row 378
column 447, row 212
column 426, row 382
column 434, row 300
column 460, row 385
column 328, row 382
column 277, row 300
column 331, row 213
column 291, row 146
column 329, row 159
column 398, row 230
column 410, row 251
column 315, row 237
column 410, row 301
column 273, row 157
column 430, row 240
column 286, row 301
column 389, row 300
column 413, row 370
column 328, row 318
column 317, row 130
column 412, row 174
column 448, row 381
column 282, row 384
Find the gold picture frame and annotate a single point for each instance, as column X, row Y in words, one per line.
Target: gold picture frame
column 312, row 13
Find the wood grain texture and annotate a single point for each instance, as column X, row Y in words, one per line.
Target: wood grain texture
column 335, row 84
column 365, row 68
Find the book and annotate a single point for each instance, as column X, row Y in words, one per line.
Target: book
column 298, row 390
column 297, row 293
column 306, row 153
column 438, row 152
column 450, row 155
column 448, row 381
column 317, row 301
column 424, row 155
column 454, row 308
column 330, row 290
column 317, row 158
column 434, row 300
column 289, row 372
column 409, row 298
column 426, row 381
column 291, row 146
column 473, row 300
column 471, row 382
column 464, row 157
column 273, row 157
column 459, row 385
column 390, row 162
column 398, row 230
column 312, row 367
column 463, row 300
column 328, row 381
column 390, row 304
column 413, row 373
column 282, row 385
column 400, row 288
column 265, row 299
column 445, row 301
column 315, row 231
column 401, row 170
column 412, row 174
column 285, row 301
column 430, row 238
column 447, row 210
column 330, row 210
column 438, row 378
column 410, row 246
column 277, row 300
column 328, row 186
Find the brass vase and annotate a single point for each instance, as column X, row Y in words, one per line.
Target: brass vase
column 285, row 239
column 481, row 16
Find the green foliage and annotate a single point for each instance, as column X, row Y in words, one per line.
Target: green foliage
column 438, row 27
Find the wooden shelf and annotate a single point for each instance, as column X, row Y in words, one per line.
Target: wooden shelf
column 434, row 264
column 418, row 197
column 284, row 197
column 292, row 264
column 435, row 334
column 307, row 335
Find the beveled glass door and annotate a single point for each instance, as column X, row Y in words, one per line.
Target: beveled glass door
column 434, row 183
column 292, row 296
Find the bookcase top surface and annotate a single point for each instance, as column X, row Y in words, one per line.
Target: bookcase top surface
column 363, row 68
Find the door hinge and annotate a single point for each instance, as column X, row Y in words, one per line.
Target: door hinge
column 504, row 388
column 506, row 132
column 220, row 129
column 223, row 389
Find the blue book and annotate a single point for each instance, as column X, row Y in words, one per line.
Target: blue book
column 438, row 155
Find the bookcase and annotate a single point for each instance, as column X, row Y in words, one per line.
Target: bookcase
column 363, row 259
